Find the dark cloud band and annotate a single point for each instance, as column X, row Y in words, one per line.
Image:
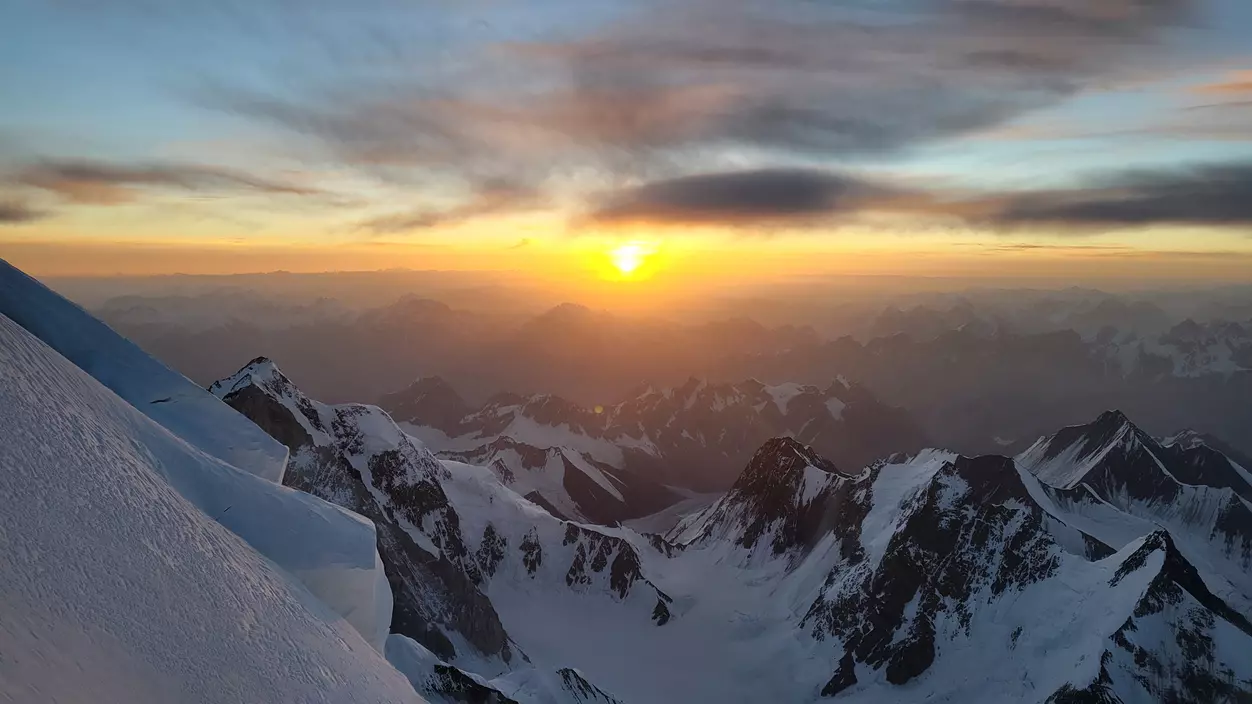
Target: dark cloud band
column 1212, row 195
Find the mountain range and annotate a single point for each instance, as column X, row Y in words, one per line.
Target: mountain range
column 1098, row 564
column 980, row 370
column 694, row 436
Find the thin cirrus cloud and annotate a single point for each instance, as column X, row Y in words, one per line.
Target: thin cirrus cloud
column 579, row 98
column 101, row 183
column 489, row 199
column 653, row 91
column 1236, row 83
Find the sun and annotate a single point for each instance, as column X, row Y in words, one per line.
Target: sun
column 628, row 257
column 625, row 260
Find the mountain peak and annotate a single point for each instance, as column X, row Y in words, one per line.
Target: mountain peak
column 786, row 447
column 1111, row 419
column 1064, row 459
column 428, row 401
column 262, row 372
column 777, row 497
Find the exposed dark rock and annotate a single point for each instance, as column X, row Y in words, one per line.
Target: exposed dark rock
column 270, row 415
column 432, row 594
column 844, row 677
column 532, row 552
column 491, row 550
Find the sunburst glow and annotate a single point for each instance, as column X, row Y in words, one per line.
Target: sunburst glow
column 628, row 257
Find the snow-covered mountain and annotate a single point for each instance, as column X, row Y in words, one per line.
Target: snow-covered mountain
column 946, row 578
column 441, row 682
column 607, row 464
column 140, row 566
column 1188, row 349
column 911, row 579
column 356, row 457
column 697, row 431
column 551, row 451
column 456, row 542
column 1112, row 481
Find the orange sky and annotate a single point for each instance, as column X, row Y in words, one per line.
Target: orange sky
column 693, row 262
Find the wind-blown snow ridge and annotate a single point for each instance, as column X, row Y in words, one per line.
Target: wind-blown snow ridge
column 163, row 395
column 126, row 576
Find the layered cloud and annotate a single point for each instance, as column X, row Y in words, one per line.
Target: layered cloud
column 492, row 198
column 661, row 89
column 741, row 113
column 1236, row 84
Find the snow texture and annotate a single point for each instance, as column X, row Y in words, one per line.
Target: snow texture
column 163, row 395
column 131, row 567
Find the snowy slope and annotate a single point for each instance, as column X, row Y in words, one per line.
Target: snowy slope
column 469, row 559
column 907, row 581
column 928, row 578
column 163, row 395
column 125, row 575
column 441, row 682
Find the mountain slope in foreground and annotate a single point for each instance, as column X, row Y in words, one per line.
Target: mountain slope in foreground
column 118, row 584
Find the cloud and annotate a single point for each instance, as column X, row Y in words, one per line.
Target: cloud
column 1204, row 195
column 1236, row 83
column 1212, row 195
column 16, row 213
column 761, row 196
column 489, row 199
column 656, row 91
column 102, row 183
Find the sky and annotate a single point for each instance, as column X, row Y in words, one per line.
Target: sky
column 630, row 140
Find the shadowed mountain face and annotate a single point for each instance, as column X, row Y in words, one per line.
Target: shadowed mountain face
column 342, row 354
column 980, row 391
column 696, row 435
